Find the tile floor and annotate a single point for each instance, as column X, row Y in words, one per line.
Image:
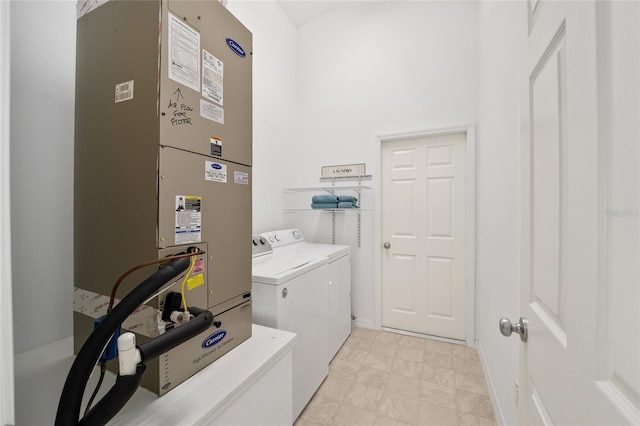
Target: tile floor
column 383, row 378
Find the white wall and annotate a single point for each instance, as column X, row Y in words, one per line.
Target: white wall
column 385, row 68
column 275, row 120
column 42, row 111
column 379, row 69
column 497, row 210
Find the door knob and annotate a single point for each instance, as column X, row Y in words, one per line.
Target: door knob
column 387, row 245
column 506, row 328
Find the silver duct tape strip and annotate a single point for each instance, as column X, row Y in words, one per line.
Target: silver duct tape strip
column 145, row 320
column 85, row 6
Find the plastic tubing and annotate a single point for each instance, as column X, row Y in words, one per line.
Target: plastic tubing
column 74, row 387
column 176, row 336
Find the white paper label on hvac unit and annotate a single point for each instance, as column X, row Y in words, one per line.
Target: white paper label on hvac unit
column 184, row 53
column 241, row 178
column 188, row 219
column 215, row 172
column 212, row 76
column 124, row 91
column 211, row 112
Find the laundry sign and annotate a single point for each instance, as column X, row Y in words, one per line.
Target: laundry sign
column 344, row 170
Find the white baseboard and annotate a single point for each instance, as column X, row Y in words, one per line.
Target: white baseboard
column 363, row 324
column 497, row 410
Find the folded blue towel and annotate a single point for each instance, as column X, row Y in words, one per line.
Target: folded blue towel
column 347, row 205
column 324, row 205
column 349, row 198
column 324, row 199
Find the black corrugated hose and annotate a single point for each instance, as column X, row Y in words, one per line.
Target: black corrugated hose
column 125, row 386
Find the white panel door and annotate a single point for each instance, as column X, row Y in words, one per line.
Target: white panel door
column 579, row 263
column 423, row 222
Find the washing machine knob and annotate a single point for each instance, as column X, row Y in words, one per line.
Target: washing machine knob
column 297, row 234
column 277, row 237
column 271, row 238
column 255, row 241
column 263, row 241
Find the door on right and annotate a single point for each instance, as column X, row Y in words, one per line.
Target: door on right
column 580, row 236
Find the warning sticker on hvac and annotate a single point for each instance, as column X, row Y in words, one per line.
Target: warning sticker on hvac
column 241, row 178
column 215, row 172
column 188, row 219
column 195, row 281
column 216, row 146
column 212, row 76
column 211, row 112
column 184, row 53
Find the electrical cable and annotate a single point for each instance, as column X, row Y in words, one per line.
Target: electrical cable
column 186, row 277
column 142, row 265
column 103, row 369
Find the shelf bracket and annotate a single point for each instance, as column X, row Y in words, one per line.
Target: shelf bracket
column 359, row 223
column 333, row 227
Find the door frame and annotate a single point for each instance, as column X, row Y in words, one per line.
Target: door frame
column 7, row 410
column 470, row 297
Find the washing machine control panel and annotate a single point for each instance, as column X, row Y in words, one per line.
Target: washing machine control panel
column 260, row 246
column 284, row 237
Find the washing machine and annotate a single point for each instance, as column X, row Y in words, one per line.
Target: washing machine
column 289, row 292
column 291, row 242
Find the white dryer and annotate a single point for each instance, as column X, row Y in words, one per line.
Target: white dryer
column 289, row 292
column 291, row 242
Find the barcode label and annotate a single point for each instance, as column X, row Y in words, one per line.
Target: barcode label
column 124, row 91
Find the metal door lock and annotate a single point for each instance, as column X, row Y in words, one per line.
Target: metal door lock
column 506, row 328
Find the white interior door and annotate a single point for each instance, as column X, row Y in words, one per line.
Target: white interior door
column 423, row 228
column 579, row 258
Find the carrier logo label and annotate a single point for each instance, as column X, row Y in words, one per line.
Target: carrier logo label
column 214, row 339
column 237, row 49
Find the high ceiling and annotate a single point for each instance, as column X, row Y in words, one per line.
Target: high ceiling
column 302, row 11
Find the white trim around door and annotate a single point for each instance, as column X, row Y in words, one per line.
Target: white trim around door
column 470, row 131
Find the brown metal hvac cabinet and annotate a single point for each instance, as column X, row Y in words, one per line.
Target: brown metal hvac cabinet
column 163, row 132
